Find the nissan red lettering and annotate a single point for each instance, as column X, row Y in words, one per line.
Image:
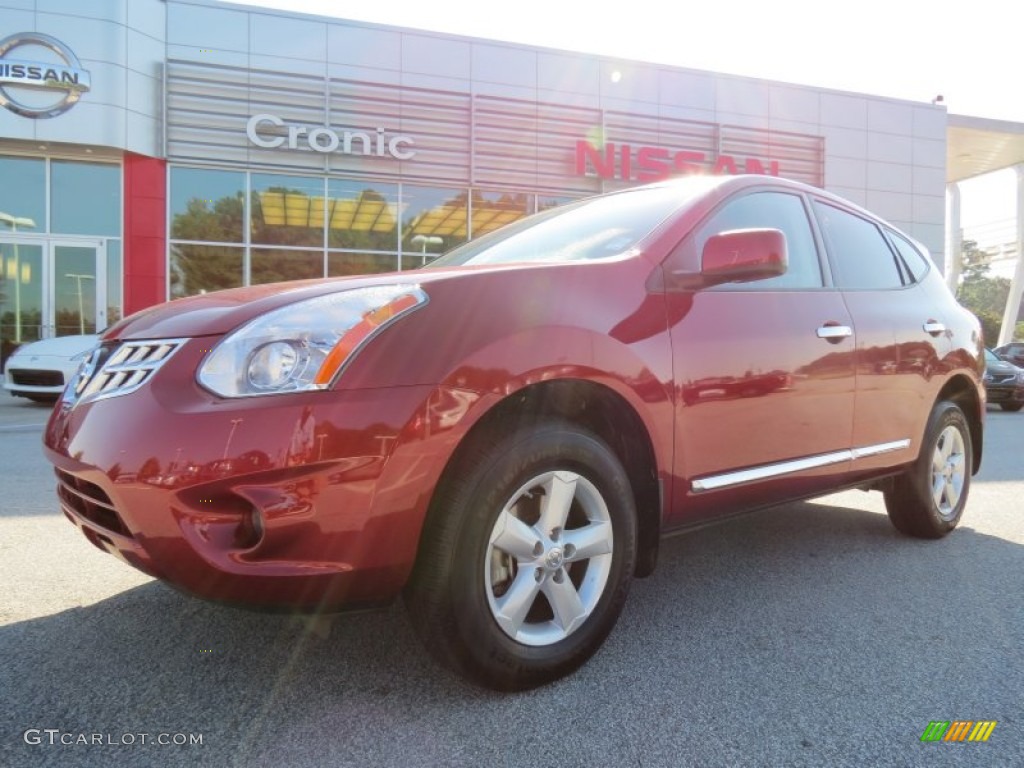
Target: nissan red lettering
column 649, row 163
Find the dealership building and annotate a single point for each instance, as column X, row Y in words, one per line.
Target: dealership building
column 155, row 149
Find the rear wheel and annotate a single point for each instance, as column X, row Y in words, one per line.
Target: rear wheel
column 527, row 559
column 1013, row 407
column 928, row 500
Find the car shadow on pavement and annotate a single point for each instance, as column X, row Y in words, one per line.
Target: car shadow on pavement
column 813, row 611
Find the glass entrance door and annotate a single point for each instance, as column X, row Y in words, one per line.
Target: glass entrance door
column 50, row 287
column 21, row 294
column 77, row 288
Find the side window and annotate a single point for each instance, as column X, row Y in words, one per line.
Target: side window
column 861, row 257
column 914, row 261
column 777, row 210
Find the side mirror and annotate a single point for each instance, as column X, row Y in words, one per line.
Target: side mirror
column 744, row 255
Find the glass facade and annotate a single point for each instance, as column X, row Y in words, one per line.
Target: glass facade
column 60, row 247
column 232, row 228
column 197, row 269
column 23, row 194
column 85, row 198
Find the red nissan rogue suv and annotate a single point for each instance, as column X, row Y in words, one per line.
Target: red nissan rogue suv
column 505, row 435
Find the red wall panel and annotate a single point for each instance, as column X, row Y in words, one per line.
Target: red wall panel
column 145, row 232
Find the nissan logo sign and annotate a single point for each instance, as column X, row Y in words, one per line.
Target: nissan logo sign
column 34, row 69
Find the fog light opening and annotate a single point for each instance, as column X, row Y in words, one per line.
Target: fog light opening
column 250, row 529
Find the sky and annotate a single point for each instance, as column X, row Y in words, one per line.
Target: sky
column 970, row 53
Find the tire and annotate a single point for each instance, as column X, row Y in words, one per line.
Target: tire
column 1012, row 407
column 928, row 500
column 517, row 582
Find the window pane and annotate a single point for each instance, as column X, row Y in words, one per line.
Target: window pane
column 204, row 268
column 74, row 289
column 207, row 205
column 22, row 194
column 287, row 210
column 775, row 210
column 362, row 217
column 115, row 303
column 914, row 260
column 493, row 210
column 273, row 265
column 861, row 257
column 433, row 220
column 550, row 201
column 341, row 264
column 85, row 198
column 21, row 294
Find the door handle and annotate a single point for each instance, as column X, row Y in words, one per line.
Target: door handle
column 934, row 327
column 833, row 334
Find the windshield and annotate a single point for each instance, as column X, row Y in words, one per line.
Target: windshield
column 990, row 356
column 595, row 228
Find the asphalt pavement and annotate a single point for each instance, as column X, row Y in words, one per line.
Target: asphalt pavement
column 807, row 635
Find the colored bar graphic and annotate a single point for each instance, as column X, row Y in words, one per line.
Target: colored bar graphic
column 958, row 730
column 935, row 731
column 982, row 730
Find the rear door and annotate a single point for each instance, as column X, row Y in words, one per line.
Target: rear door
column 763, row 370
column 900, row 339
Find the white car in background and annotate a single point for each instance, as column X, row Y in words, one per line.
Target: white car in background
column 40, row 370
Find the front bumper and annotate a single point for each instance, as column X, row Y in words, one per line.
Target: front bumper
column 1011, row 394
column 310, row 501
column 36, row 380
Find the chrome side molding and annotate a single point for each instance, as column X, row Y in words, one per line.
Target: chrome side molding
column 728, row 479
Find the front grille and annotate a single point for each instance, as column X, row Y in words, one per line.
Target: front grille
column 28, row 377
column 125, row 369
column 1001, row 378
column 90, row 502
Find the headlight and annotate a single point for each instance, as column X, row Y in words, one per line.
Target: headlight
column 304, row 346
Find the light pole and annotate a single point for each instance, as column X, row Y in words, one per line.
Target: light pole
column 424, row 241
column 16, row 274
column 81, row 310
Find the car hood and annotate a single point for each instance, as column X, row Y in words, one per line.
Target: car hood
column 215, row 314
column 1000, row 367
column 62, row 346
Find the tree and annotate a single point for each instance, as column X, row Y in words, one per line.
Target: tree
column 985, row 296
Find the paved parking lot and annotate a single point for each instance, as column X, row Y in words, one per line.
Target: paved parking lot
column 809, row 635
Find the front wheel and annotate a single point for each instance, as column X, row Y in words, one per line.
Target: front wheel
column 928, row 500
column 1012, row 407
column 527, row 558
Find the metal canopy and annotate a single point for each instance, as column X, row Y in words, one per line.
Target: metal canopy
column 977, row 145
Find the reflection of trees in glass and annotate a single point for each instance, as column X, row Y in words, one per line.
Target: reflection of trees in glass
column 493, row 210
column 201, row 268
column 446, row 220
column 275, row 266
column 299, row 220
column 343, row 264
column 371, row 220
column 69, row 322
column 31, row 324
column 220, row 222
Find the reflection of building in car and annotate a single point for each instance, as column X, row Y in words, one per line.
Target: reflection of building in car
column 729, row 387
